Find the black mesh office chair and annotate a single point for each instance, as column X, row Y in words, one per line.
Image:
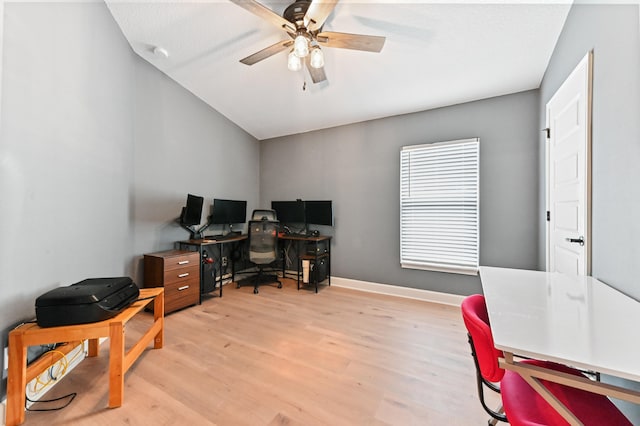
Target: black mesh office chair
column 263, row 249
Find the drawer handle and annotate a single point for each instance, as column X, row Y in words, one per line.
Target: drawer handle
column 186, row 274
column 183, row 262
column 184, row 287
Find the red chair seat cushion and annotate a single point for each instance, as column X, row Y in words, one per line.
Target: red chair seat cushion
column 525, row 407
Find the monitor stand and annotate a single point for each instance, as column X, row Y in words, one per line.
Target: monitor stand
column 195, row 234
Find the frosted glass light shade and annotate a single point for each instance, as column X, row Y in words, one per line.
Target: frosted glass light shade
column 317, row 58
column 294, row 63
column 301, row 46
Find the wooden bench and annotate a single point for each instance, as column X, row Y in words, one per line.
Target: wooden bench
column 119, row 361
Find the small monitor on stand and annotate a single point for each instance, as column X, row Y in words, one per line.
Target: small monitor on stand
column 291, row 215
column 318, row 213
column 228, row 213
column 191, row 216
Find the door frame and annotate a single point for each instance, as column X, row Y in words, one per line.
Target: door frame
column 588, row 61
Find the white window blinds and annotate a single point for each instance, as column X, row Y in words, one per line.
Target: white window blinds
column 439, row 206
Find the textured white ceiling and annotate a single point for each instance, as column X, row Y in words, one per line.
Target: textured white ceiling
column 437, row 53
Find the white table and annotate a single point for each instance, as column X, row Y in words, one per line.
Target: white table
column 573, row 320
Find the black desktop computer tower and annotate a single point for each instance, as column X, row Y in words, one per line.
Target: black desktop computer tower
column 317, row 248
column 208, row 279
column 318, row 271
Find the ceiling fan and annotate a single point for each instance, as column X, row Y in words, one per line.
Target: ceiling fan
column 303, row 21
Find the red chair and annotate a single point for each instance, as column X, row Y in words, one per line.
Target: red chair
column 524, row 406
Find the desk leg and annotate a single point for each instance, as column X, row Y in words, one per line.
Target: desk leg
column 116, row 364
column 200, row 251
column 317, row 274
column 329, row 261
column 283, row 255
column 158, row 315
column 228, row 260
column 220, row 266
column 232, row 255
column 298, row 261
column 16, row 380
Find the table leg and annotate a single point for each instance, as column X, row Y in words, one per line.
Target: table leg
column 116, row 364
column 529, row 375
column 552, row 400
column 93, row 347
column 158, row 315
column 16, row 380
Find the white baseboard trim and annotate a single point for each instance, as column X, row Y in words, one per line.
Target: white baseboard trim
column 3, row 410
column 394, row 290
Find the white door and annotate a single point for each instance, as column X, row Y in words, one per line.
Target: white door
column 569, row 174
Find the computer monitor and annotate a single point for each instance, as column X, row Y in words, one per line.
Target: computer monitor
column 289, row 211
column 228, row 212
column 318, row 213
column 192, row 212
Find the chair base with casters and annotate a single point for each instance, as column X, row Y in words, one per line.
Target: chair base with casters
column 259, row 279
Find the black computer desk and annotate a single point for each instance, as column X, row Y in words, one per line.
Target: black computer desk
column 200, row 244
column 319, row 253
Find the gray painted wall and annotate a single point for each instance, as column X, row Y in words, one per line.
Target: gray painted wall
column 66, row 153
column 182, row 145
column 358, row 167
column 98, row 152
column 613, row 33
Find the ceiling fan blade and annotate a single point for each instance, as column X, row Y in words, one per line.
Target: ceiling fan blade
column 317, row 74
column 318, row 12
column 367, row 43
column 266, row 52
column 265, row 13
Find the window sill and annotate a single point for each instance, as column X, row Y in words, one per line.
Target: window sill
column 463, row 270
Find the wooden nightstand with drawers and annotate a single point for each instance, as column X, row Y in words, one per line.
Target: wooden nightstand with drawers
column 178, row 271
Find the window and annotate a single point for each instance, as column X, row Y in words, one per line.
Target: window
column 439, row 206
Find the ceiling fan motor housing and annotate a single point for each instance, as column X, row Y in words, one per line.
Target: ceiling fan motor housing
column 295, row 12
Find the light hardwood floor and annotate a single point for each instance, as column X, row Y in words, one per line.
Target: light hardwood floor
column 288, row 357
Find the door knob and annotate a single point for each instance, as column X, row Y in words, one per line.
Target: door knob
column 579, row 240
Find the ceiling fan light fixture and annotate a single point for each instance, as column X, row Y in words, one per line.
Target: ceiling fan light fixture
column 317, row 57
column 294, row 63
column 303, row 22
column 301, row 46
